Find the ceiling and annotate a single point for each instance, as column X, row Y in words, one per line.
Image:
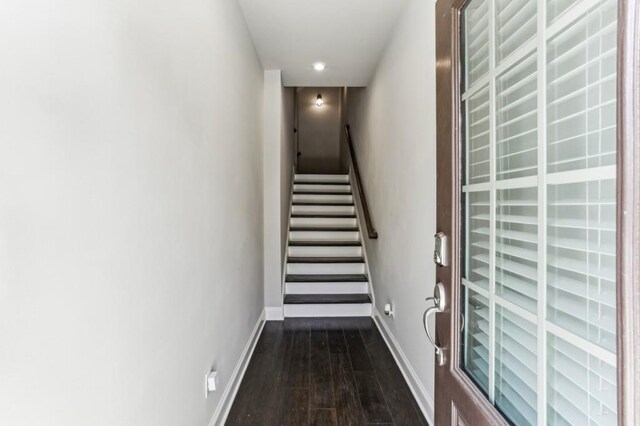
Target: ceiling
column 347, row 35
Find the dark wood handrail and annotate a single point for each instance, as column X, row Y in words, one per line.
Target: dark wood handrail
column 365, row 207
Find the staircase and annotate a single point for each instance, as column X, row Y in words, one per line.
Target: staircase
column 326, row 272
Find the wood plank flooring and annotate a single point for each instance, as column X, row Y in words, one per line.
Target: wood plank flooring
column 323, row 371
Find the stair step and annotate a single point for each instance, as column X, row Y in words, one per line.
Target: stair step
column 316, row 299
column 341, row 188
column 322, row 183
column 321, row 228
column 326, row 288
column 325, row 310
column 313, row 269
column 324, row 251
column 323, row 223
column 325, row 243
column 318, row 198
column 326, row 278
column 321, row 193
column 325, row 260
column 323, row 216
column 333, row 178
column 320, row 203
column 320, row 235
column 316, row 209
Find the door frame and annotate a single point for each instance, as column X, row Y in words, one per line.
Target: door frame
column 451, row 379
column 474, row 405
column 628, row 217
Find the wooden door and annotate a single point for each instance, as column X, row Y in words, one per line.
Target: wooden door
column 538, row 193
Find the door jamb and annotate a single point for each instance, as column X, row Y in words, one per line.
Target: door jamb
column 628, row 216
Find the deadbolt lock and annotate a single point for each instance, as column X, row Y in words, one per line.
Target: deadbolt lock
column 440, row 250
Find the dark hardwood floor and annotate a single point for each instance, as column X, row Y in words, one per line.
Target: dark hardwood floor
column 323, row 371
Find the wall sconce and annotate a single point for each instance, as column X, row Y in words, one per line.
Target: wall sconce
column 319, row 101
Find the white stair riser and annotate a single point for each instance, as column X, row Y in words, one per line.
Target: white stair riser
column 322, row 222
column 328, row 310
column 314, row 210
column 325, row 268
column 301, row 187
column 327, row 288
column 322, row 198
column 321, row 178
column 324, row 251
column 324, row 236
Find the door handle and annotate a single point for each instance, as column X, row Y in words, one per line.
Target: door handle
column 439, row 304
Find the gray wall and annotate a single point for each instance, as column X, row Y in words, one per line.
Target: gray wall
column 345, row 159
column 319, row 139
column 287, row 154
column 130, row 208
column 394, row 128
column 278, row 140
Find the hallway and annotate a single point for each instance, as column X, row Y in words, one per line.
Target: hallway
column 320, row 212
column 323, row 371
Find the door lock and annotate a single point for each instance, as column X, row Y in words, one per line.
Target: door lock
column 440, row 250
column 439, row 304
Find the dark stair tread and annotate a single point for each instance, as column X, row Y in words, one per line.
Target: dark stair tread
column 322, row 204
column 321, row 183
column 326, row 229
column 326, row 278
column 325, row 260
column 325, row 243
column 320, row 193
column 301, row 299
column 323, row 216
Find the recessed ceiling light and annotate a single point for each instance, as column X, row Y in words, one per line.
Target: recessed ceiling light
column 319, row 66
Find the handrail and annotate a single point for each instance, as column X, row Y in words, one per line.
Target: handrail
column 365, row 207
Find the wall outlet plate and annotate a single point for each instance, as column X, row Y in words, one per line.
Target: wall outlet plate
column 210, row 382
column 389, row 310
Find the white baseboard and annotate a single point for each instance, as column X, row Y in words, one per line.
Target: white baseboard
column 274, row 313
column 419, row 392
column 229, row 394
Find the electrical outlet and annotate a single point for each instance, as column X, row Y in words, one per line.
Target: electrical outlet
column 210, row 383
column 389, row 310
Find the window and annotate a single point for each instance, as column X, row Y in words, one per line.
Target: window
column 539, row 207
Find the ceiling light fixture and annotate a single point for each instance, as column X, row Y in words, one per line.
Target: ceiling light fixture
column 319, row 101
column 319, row 66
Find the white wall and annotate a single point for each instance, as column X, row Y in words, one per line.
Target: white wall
column 130, row 208
column 319, row 138
column 279, row 153
column 272, row 141
column 394, row 127
column 287, row 155
column 278, row 165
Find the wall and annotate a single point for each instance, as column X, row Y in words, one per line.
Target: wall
column 278, row 167
column 130, row 208
column 345, row 160
column 287, row 155
column 319, row 138
column 272, row 139
column 394, row 129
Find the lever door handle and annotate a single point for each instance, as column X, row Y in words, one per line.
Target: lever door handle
column 439, row 304
column 430, row 310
